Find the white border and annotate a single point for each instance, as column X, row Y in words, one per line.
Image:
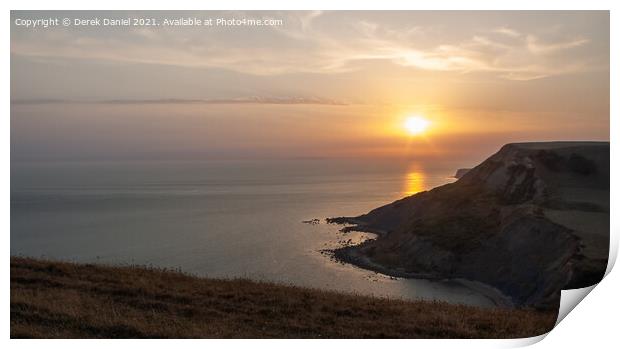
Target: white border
column 593, row 319
column 314, row 5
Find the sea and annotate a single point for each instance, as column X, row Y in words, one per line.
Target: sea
column 220, row 218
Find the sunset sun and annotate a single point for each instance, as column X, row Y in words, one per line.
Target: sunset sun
column 415, row 125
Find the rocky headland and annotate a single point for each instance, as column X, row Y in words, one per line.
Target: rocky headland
column 529, row 221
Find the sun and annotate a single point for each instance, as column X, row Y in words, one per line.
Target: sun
column 416, row 125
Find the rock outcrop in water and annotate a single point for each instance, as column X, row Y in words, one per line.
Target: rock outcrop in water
column 530, row 220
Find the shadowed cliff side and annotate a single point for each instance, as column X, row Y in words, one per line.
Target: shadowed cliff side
column 530, row 220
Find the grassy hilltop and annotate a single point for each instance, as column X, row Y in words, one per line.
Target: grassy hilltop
column 66, row 300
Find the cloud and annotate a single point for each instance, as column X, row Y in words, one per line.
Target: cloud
column 311, row 42
column 535, row 45
column 508, row 32
column 241, row 100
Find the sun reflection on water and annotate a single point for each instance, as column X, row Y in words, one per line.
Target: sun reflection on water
column 414, row 181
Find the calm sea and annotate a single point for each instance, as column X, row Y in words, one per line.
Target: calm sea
column 217, row 218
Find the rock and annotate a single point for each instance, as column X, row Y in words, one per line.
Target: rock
column 508, row 222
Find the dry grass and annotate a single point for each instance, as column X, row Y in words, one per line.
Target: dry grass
column 65, row 300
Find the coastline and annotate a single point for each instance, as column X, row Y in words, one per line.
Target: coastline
column 490, row 229
column 351, row 256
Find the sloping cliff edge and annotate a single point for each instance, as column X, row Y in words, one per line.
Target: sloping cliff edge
column 531, row 220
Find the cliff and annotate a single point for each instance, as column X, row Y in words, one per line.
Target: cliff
column 530, row 220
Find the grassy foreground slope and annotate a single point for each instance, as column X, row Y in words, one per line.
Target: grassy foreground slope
column 66, row 300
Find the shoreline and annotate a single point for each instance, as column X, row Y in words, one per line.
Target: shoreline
column 350, row 255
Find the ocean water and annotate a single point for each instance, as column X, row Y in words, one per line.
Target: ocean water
column 223, row 219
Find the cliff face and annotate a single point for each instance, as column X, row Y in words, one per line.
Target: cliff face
column 529, row 220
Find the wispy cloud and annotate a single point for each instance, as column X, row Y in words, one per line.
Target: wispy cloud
column 507, row 31
column 242, row 100
column 536, row 45
column 307, row 45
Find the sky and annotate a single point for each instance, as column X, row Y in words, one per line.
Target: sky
column 321, row 84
